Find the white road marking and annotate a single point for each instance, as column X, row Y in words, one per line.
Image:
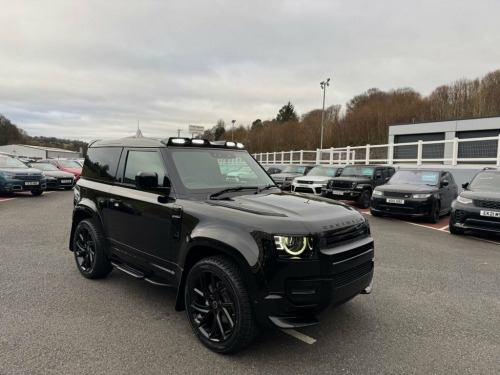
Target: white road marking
column 300, row 336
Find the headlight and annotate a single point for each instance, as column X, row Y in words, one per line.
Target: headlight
column 294, row 246
column 421, row 196
column 464, row 200
column 8, row 175
column 377, row 193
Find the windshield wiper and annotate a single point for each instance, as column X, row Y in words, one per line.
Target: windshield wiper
column 259, row 190
column 231, row 189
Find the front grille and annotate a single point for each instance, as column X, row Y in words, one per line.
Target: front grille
column 351, row 253
column 352, row 274
column 487, row 204
column 305, row 182
column 340, row 184
column 303, row 190
column 397, row 194
column 345, row 234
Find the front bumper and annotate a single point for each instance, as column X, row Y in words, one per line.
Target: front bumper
column 470, row 217
column 15, row 185
column 308, row 189
column 410, row 208
column 301, row 289
column 348, row 195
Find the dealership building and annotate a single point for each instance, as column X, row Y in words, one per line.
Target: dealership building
column 37, row 152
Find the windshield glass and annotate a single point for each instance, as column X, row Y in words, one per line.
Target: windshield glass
column 486, row 181
column 294, row 169
column 44, row 167
column 218, row 169
column 322, row 171
column 415, row 178
column 7, row 162
column 69, row 164
column 357, row 171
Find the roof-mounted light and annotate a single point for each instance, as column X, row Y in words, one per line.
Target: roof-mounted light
column 179, row 141
column 230, row 144
column 240, row 145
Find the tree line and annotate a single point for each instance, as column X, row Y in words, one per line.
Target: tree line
column 366, row 117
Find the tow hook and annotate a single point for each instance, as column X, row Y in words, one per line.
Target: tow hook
column 368, row 289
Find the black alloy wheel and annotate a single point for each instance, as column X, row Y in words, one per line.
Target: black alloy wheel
column 218, row 305
column 88, row 249
column 453, row 228
column 435, row 212
column 364, row 199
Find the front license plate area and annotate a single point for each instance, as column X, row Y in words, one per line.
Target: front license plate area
column 490, row 213
column 31, row 183
column 397, row 201
column 66, row 181
column 337, row 192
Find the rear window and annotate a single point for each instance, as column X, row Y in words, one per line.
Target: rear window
column 101, row 163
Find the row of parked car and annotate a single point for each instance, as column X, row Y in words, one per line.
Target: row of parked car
column 414, row 193
column 17, row 175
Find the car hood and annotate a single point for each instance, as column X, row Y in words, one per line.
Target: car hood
column 23, row 172
column 59, row 174
column 408, row 188
column 77, row 171
column 483, row 195
column 312, row 178
column 285, row 211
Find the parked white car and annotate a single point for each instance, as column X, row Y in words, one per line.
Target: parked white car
column 315, row 179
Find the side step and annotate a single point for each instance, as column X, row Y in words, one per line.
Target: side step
column 138, row 274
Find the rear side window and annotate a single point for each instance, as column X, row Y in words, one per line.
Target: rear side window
column 143, row 161
column 101, row 163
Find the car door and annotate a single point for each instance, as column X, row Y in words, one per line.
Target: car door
column 379, row 178
column 447, row 192
column 137, row 223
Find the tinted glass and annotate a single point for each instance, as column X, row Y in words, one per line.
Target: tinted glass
column 143, row 161
column 294, row 169
column 44, row 166
column 415, row 178
column 486, row 181
column 357, row 171
column 8, row 162
column 101, row 163
column 322, row 171
column 69, row 164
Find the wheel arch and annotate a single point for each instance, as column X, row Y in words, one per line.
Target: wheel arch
column 80, row 213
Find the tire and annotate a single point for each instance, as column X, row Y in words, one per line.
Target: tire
column 88, row 248
column 364, row 199
column 434, row 214
column 218, row 305
column 453, row 228
column 37, row 192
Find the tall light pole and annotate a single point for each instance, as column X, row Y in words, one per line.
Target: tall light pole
column 323, row 85
column 232, row 130
column 179, row 133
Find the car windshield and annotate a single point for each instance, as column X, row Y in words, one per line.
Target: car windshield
column 7, row 162
column 322, row 171
column 44, row 167
column 486, row 181
column 69, row 164
column 415, row 178
column 357, row 171
column 212, row 169
column 294, row 169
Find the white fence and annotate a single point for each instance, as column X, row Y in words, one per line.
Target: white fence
column 450, row 152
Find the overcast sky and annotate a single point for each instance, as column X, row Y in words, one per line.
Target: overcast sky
column 95, row 68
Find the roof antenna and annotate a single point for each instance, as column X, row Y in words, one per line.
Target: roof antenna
column 138, row 134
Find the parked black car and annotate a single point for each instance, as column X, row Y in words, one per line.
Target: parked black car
column 477, row 208
column 55, row 178
column 415, row 193
column 273, row 170
column 285, row 178
column 241, row 254
column 15, row 176
column 356, row 183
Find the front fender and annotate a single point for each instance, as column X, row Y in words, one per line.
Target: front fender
column 84, row 209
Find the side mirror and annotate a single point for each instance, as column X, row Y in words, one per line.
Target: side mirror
column 466, row 185
column 445, row 183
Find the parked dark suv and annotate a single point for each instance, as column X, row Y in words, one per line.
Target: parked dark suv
column 423, row 193
column 477, row 208
column 15, row 176
column 356, row 183
column 241, row 253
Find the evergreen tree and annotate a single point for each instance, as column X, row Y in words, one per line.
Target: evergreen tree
column 287, row 113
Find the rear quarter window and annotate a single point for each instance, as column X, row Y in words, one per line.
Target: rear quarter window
column 101, row 163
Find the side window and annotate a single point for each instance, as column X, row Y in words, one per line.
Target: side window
column 391, row 171
column 143, row 161
column 385, row 173
column 378, row 174
column 101, row 163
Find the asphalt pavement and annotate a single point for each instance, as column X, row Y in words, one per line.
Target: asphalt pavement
column 435, row 309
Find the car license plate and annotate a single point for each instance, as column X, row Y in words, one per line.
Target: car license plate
column 31, row 183
column 398, row 201
column 302, row 186
column 66, row 181
column 490, row 213
column 337, row 192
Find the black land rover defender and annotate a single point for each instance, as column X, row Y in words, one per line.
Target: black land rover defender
column 241, row 253
column 356, row 183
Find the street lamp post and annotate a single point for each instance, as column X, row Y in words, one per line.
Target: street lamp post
column 323, row 85
column 232, row 130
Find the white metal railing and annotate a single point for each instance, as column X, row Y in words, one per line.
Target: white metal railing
column 455, row 151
